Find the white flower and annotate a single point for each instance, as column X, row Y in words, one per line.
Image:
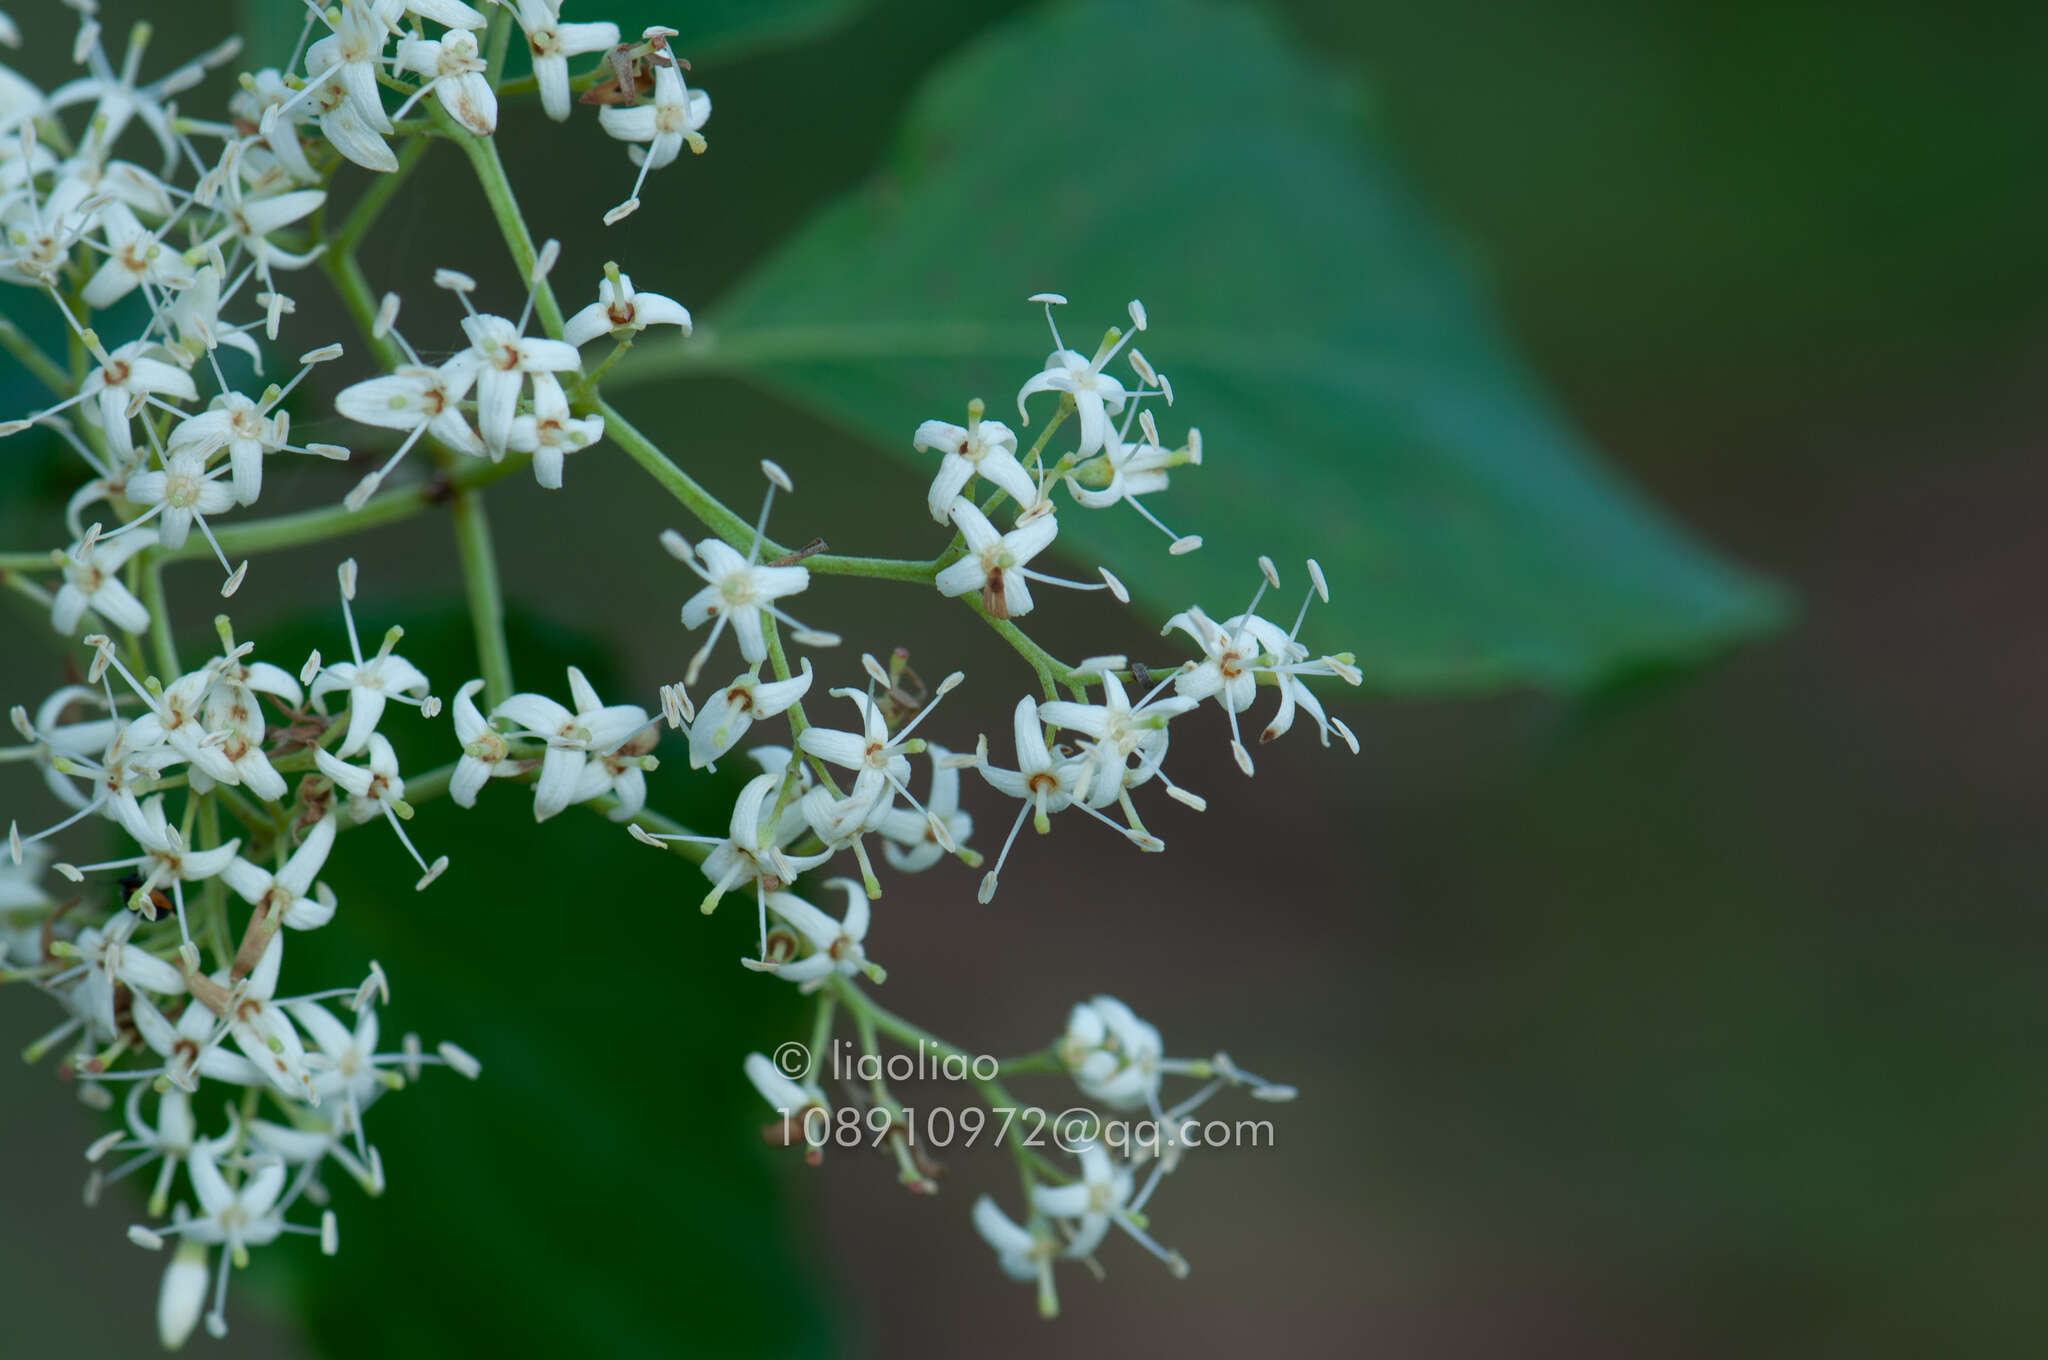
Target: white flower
column 248, row 429
column 504, row 359
column 92, row 581
column 1096, row 395
column 343, row 125
column 170, row 1141
column 370, row 684
column 994, row 564
column 117, row 99
column 232, row 1218
column 260, row 1027
column 1100, row 1198
column 592, row 729
column 183, row 491
column 1113, row 1056
column 288, row 896
column 135, row 256
column 191, row 1048
column 552, row 43
column 1023, row 1254
column 740, row 590
column 1118, row 734
column 126, row 378
column 1238, row 651
column 279, row 132
column 802, row 1109
column 378, row 788
column 1125, row 471
column 1044, row 785
column 551, row 433
column 351, row 58
column 726, row 715
column 980, row 448
column 879, row 760
column 913, row 841
column 620, row 311
column 836, row 946
column 748, row 853
column 165, row 859
column 454, row 69
column 485, row 752
column 665, row 123
column 111, row 961
column 419, row 400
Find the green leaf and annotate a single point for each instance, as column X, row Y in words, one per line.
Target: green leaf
column 603, row 1188
column 1357, row 399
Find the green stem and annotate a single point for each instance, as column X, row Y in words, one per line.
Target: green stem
column 165, row 646
column 213, row 900
column 315, row 526
column 911, row 1036
column 821, row 1032
column 490, row 176
column 486, row 598
column 495, row 43
column 48, row 371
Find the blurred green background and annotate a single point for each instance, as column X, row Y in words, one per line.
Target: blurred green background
column 1695, row 1012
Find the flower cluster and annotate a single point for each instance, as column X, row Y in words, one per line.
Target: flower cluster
column 124, row 961
column 235, row 781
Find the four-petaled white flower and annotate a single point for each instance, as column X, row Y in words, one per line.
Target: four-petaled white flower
column 573, row 737
column 552, row 43
column 623, row 313
column 92, row 580
column 1113, row 1056
column 726, row 715
column 1102, row 1197
column 994, row 564
column 181, row 492
column 504, row 358
column 454, row 71
column 912, row 842
column 370, row 684
column 1023, row 1254
column 551, row 433
column 836, row 946
column 980, row 448
column 1096, row 395
column 666, row 122
column 797, row 1105
column 289, row 896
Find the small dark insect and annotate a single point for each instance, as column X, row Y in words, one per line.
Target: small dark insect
column 156, row 904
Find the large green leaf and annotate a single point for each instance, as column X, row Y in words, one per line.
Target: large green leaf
column 1357, row 399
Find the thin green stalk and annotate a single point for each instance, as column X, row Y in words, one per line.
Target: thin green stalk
column 821, row 1032
column 213, row 898
column 490, row 176
column 486, row 598
column 160, row 638
column 315, row 526
column 496, row 42
column 48, row 371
